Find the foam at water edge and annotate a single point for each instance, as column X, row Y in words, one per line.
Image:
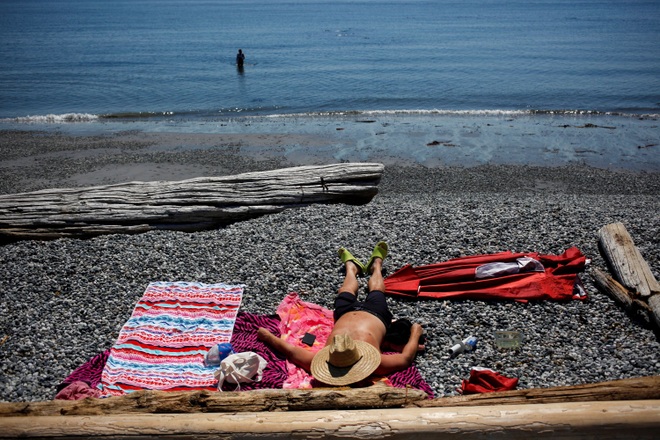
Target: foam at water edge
column 86, row 117
column 53, row 119
column 448, row 112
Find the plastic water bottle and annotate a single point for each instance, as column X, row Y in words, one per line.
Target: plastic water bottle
column 217, row 353
column 467, row 344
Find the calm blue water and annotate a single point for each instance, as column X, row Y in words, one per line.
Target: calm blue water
column 176, row 57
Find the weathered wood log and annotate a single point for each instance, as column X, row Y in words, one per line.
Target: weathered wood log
column 654, row 305
column 602, row 420
column 187, row 205
column 612, row 288
column 625, row 389
column 633, row 306
column 625, row 261
column 643, row 388
column 613, row 409
column 205, row 401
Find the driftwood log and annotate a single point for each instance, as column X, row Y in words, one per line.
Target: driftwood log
column 629, row 268
column 625, row 261
column 617, row 409
column 601, row 420
column 634, row 307
column 625, row 389
column 161, row 402
column 187, row 205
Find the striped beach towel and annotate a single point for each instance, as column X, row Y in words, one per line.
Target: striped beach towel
column 162, row 345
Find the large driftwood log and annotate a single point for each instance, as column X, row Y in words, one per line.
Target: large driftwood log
column 626, row 408
column 625, row 261
column 629, row 267
column 644, row 388
column 188, row 205
column 602, row 420
column 204, row 401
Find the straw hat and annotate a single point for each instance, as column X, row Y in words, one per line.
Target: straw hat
column 345, row 361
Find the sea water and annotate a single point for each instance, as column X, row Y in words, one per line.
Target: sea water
column 144, row 58
column 436, row 82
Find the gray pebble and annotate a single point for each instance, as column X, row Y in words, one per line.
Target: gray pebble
column 64, row 301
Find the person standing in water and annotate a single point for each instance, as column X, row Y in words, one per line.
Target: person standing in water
column 240, row 58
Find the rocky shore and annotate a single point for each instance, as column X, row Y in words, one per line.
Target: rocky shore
column 64, row 301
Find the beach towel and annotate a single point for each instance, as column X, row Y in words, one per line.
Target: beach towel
column 162, row 345
column 280, row 374
column 298, row 317
column 244, row 338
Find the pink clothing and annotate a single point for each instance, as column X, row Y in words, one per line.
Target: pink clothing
column 298, row 317
column 78, row 390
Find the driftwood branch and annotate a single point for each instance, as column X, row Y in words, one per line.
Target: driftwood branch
column 633, row 306
column 187, row 205
column 654, row 305
column 641, row 388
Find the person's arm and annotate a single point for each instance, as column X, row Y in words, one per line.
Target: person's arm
column 294, row 354
column 389, row 363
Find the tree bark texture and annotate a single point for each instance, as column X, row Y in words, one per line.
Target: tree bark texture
column 625, row 261
column 602, row 420
column 187, row 205
column 629, row 267
column 205, row 401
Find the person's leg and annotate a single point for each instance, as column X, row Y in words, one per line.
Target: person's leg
column 354, row 268
column 379, row 253
column 375, row 301
column 350, row 284
column 376, row 281
column 347, row 294
column 296, row 355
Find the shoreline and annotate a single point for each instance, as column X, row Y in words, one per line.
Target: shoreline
column 67, row 299
column 607, row 142
column 34, row 160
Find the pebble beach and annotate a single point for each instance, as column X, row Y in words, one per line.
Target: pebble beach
column 64, row 301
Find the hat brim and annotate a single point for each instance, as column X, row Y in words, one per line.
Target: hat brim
column 324, row 372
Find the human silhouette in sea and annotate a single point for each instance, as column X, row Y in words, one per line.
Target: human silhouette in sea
column 240, row 58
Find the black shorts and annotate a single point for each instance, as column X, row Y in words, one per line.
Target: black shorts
column 374, row 303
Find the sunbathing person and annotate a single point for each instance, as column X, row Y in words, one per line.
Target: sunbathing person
column 353, row 349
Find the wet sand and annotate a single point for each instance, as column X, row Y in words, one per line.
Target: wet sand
column 87, row 154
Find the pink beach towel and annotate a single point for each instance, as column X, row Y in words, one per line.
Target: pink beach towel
column 298, row 317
